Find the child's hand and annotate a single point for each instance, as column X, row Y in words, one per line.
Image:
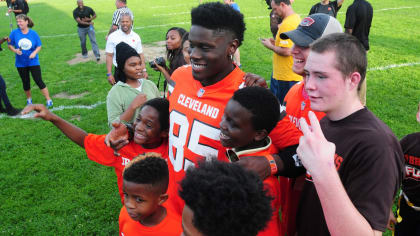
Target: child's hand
column 42, row 111
column 117, row 137
column 138, row 101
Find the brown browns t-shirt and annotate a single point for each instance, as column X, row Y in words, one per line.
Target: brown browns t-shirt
column 370, row 165
column 411, row 184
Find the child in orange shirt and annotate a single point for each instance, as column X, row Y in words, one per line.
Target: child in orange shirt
column 249, row 117
column 145, row 182
column 149, row 134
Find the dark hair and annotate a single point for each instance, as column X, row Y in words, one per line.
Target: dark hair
column 226, row 199
column 149, row 168
column 175, row 57
column 162, row 106
column 218, row 16
column 277, row 2
column 26, row 18
column 123, row 1
column 263, row 105
column 184, row 38
column 349, row 53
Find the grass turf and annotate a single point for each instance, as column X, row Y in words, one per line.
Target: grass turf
column 48, row 186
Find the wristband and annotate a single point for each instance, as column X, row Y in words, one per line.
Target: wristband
column 273, row 164
column 108, row 74
column 144, row 70
column 130, row 129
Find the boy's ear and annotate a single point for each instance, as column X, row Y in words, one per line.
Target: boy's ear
column 233, row 46
column 260, row 135
column 164, row 133
column 162, row 198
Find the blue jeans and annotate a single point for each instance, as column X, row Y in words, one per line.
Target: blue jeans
column 3, row 94
column 91, row 33
column 280, row 88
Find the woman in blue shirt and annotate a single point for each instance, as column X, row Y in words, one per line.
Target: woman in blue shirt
column 26, row 44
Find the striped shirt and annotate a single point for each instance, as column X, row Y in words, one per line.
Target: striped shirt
column 117, row 15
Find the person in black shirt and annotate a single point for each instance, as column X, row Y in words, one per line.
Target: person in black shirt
column 4, row 99
column 84, row 17
column 358, row 21
column 17, row 7
column 327, row 7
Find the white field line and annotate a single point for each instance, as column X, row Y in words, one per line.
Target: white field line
column 173, row 14
column 183, row 23
column 394, row 66
column 60, row 108
column 170, row 6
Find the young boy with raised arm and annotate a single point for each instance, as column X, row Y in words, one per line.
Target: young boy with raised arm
column 148, row 134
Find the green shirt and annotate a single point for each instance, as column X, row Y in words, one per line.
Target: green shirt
column 121, row 95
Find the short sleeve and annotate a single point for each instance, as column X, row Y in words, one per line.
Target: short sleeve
column 312, row 11
column 350, row 18
column 12, row 37
column 37, row 39
column 74, row 14
column 139, row 47
column 92, row 12
column 97, row 150
column 116, row 18
column 110, row 45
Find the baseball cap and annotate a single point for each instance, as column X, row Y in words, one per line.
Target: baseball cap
column 312, row 28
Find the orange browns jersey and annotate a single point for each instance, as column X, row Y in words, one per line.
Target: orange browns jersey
column 170, row 226
column 273, row 187
column 195, row 114
column 97, row 151
column 298, row 105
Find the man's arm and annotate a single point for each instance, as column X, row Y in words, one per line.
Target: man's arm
column 78, row 20
column 282, row 51
column 143, row 63
column 73, row 132
column 340, row 2
column 317, row 155
column 110, row 76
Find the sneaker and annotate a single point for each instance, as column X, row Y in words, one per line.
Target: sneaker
column 49, row 103
column 85, row 56
column 98, row 59
column 29, row 101
column 13, row 111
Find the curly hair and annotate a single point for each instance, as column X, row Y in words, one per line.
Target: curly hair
column 218, row 16
column 162, row 106
column 175, row 57
column 226, row 199
column 149, row 168
column 263, row 105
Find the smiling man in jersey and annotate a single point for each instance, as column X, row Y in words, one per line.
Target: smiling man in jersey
column 200, row 91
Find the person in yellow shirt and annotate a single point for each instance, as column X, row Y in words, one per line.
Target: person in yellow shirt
column 283, row 77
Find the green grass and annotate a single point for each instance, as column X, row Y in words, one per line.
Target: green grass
column 48, row 186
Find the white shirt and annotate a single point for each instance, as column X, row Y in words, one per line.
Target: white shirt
column 119, row 36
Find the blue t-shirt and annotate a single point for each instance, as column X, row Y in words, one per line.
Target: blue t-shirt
column 235, row 6
column 27, row 44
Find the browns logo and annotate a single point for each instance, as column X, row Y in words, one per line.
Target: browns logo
column 308, row 21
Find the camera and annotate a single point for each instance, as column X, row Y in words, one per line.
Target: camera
column 159, row 60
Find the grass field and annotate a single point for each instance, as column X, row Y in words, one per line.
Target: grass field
column 49, row 187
